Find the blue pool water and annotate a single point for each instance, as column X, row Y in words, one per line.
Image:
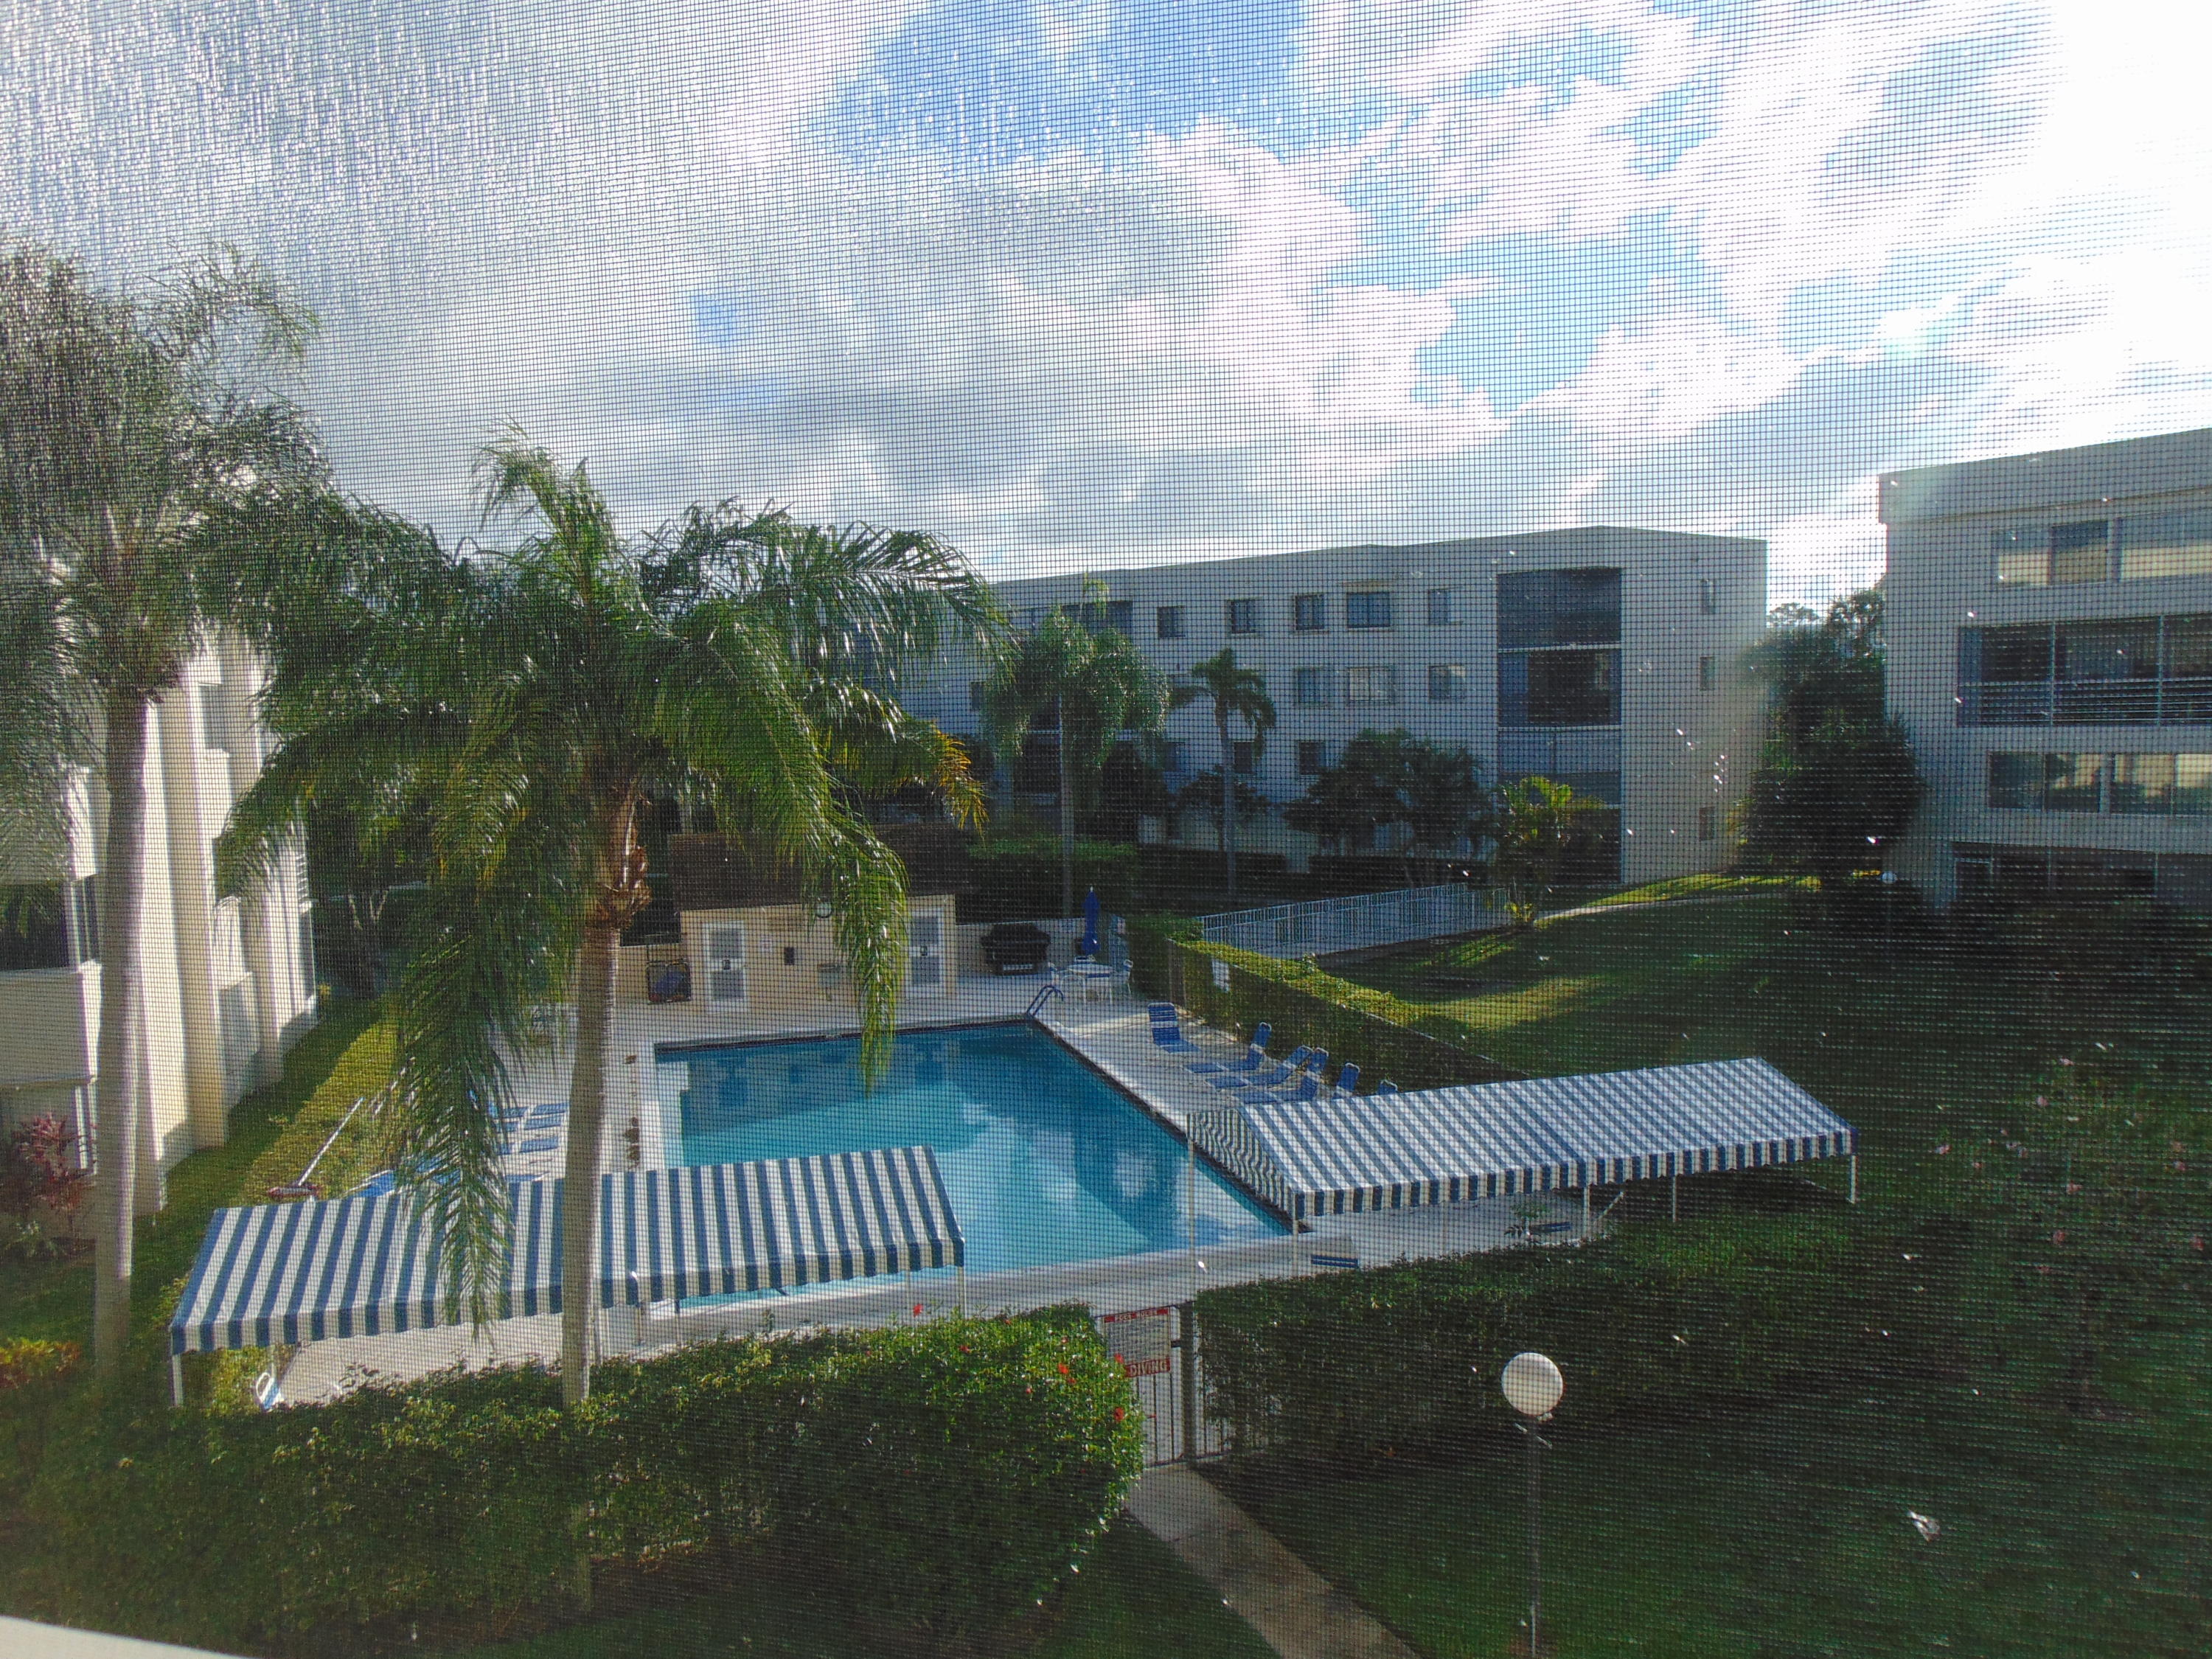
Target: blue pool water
column 1045, row 1160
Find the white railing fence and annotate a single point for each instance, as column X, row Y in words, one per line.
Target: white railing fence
column 1359, row 922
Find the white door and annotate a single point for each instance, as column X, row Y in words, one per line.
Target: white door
column 924, row 951
column 726, row 957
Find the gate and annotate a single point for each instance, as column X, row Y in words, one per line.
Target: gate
column 1171, row 1390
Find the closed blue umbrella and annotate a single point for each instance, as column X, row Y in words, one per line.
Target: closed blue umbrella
column 1090, row 945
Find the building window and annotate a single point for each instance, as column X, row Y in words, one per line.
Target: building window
column 1539, row 608
column 976, row 695
column 1558, row 688
column 1169, row 622
column 1309, row 612
column 1708, row 822
column 2132, row 785
column 1447, row 682
column 1367, row 685
column 1172, row 756
column 1440, row 612
column 1708, row 600
column 2137, row 670
column 214, row 728
column 2079, row 550
column 1309, row 688
column 2166, row 544
column 1243, row 616
column 2031, row 872
column 34, row 926
column 1704, row 673
column 1313, row 758
column 1244, row 757
column 1099, row 616
column 1367, row 610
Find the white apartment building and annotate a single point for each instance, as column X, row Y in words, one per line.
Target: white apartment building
column 1603, row 657
column 228, row 986
column 2050, row 624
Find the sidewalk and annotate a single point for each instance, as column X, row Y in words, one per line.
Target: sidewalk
column 1294, row 1609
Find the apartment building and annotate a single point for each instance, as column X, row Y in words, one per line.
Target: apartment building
column 1603, row 657
column 228, row 984
column 2050, row 621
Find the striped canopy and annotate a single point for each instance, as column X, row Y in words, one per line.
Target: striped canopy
column 1546, row 1134
column 373, row 1265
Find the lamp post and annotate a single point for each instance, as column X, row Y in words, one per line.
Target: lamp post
column 1532, row 1386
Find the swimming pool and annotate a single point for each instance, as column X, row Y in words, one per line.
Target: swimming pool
column 1045, row 1160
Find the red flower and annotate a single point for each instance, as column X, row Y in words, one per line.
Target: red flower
column 1119, row 1414
column 917, row 1310
column 2059, row 1238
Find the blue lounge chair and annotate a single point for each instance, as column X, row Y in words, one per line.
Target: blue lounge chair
column 552, row 1112
column 1348, row 1078
column 1275, row 1078
column 1386, row 1087
column 1254, row 1057
column 541, row 1144
column 1167, row 1030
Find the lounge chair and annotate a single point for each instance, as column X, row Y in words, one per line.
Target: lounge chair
column 1304, row 1087
column 1254, row 1057
column 1386, row 1087
column 1167, row 1029
column 1275, row 1078
column 1348, row 1078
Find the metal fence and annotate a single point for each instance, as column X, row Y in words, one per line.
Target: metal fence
column 1359, row 922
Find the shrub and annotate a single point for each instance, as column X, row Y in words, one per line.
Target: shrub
column 1353, row 1022
column 1404, row 1360
column 942, row 1475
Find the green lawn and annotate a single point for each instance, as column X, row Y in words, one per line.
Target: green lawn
column 1784, row 1530
column 1133, row 1598
column 1913, row 1041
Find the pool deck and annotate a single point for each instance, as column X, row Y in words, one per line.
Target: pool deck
column 1109, row 1030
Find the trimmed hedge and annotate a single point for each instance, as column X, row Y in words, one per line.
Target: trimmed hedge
column 942, row 1477
column 1306, row 1004
column 1404, row 1361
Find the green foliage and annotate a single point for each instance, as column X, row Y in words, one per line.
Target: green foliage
column 1541, row 826
column 943, row 1476
column 1305, row 1005
column 1431, row 794
column 1404, row 1360
column 1836, row 781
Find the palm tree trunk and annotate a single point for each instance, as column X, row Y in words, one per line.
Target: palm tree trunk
column 1228, row 812
column 116, row 1127
column 1066, row 826
column 587, row 1099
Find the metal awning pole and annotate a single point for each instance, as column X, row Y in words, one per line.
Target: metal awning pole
column 1585, row 1206
column 1855, row 1177
column 1675, row 1197
column 177, row 1380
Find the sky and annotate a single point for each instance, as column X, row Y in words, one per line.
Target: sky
column 1087, row 283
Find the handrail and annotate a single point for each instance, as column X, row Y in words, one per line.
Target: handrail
column 303, row 1188
column 1050, row 989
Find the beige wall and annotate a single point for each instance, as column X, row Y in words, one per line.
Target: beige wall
column 773, row 986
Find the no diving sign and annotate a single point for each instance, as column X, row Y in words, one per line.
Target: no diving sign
column 1142, row 1341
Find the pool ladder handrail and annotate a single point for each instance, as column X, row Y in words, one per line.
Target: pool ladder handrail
column 1050, row 989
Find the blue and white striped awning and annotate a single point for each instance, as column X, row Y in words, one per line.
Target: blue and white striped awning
column 373, row 1265
column 1545, row 1134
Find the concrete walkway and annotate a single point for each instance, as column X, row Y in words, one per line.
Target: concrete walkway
column 1294, row 1608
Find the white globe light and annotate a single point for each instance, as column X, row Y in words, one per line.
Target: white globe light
column 1533, row 1384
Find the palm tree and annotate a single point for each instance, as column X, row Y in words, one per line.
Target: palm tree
column 1096, row 683
column 1236, row 693
column 132, row 444
column 529, row 701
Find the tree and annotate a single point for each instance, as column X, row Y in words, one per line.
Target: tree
column 1095, row 684
column 531, row 700
column 1836, row 781
column 1393, row 780
column 1540, row 824
column 135, row 437
column 1236, row 693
